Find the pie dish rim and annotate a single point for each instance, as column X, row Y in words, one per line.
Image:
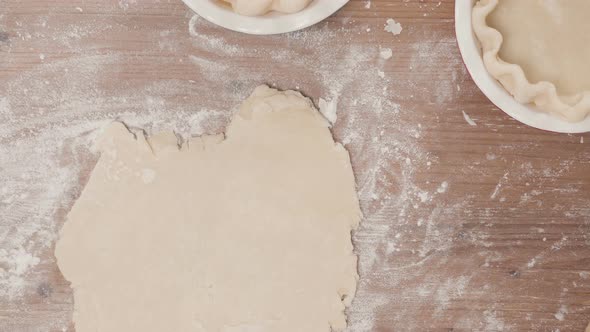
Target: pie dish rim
column 491, row 88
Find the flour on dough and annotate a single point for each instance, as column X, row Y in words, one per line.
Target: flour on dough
column 251, row 232
column 261, row 7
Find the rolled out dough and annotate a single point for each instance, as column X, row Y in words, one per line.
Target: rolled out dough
column 251, row 233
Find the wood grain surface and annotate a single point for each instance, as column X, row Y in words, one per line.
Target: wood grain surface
column 466, row 228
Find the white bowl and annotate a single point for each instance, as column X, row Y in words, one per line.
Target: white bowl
column 471, row 53
column 272, row 23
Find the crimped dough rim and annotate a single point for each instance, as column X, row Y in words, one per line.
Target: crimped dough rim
column 543, row 94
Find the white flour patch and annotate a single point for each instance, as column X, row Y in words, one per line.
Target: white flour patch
column 444, row 186
column 47, row 140
column 499, row 186
column 124, row 4
column 468, row 119
column 492, row 322
column 560, row 314
column 449, row 290
column 52, row 112
column 4, row 106
column 385, row 53
column 210, row 42
column 443, row 81
column 207, row 66
column 394, row 27
column 14, row 265
column 329, row 109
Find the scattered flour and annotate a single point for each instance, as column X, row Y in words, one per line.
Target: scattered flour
column 4, row 107
column 52, row 112
column 492, row 323
column 48, row 127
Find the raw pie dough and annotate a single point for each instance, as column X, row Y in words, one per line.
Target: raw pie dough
column 261, row 7
column 539, row 50
column 242, row 234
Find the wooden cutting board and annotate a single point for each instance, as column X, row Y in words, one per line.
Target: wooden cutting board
column 466, row 228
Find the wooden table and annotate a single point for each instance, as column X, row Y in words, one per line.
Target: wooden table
column 466, row 228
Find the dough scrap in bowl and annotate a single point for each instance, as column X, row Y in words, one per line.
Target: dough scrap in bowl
column 538, row 50
column 261, row 7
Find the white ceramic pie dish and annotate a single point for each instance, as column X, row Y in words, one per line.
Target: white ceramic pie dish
column 216, row 12
column 471, row 53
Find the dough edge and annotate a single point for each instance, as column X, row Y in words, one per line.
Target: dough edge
column 159, row 142
column 543, row 94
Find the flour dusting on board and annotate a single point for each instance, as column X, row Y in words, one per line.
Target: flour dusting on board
column 394, row 27
column 52, row 111
column 468, row 119
column 62, row 104
column 385, row 53
column 328, row 109
column 12, row 278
